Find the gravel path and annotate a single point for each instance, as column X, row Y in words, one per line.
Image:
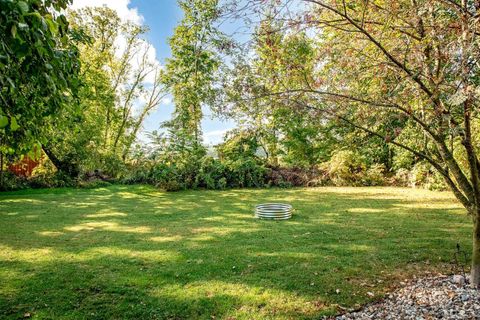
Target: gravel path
column 430, row 298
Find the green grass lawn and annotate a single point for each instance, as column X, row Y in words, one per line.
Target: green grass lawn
column 136, row 252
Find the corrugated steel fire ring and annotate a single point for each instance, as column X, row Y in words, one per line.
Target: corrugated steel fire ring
column 275, row 211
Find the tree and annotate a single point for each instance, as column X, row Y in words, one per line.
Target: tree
column 238, row 144
column 279, row 61
column 388, row 65
column 39, row 67
column 190, row 72
column 121, row 87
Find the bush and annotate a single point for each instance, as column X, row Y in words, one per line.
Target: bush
column 168, row 177
column 246, row 173
column 346, row 168
column 171, row 185
column 12, row 182
column 375, row 175
column 139, row 173
column 294, row 176
column 112, row 165
column 424, row 175
column 52, row 180
column 56, row 180
column 210, row 173
column 222, row 183
column 401, row 178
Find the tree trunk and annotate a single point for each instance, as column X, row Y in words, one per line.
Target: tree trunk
column 1, row 171
column 70, row 169
column 475, row 273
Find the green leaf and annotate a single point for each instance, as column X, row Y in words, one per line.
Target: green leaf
column 14, row 31
column 3, row 121
column 23, row 6
column 52, row 26
column 12, row 84
column 13, row 124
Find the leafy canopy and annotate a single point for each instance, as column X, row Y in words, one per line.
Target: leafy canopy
column 39, row 67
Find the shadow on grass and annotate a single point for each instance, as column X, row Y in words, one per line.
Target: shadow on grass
column 133, row 252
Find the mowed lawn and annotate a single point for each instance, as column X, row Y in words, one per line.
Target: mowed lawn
column 135, row 252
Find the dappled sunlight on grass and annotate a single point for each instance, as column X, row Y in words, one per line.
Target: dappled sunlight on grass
column 107, row 226
column 137, row 252
column 166, row 238
column 299, row 255
column 26, row 255
column 203, row 237
column 221, row 231
column 365, row 210
column 351, row 247
column 444, row 205
column 22, row 201
column 146, row 255
column 50, row 233
column 245, row 300
column 218, row 218
column 105, row 215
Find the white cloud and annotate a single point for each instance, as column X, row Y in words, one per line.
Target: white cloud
column 120, row 6
column 166, row 101
column 125, row 13
column 215, row 136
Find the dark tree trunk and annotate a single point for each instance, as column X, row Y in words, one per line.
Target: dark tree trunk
column 475, row 272
column 66, row 167
column 1, row 171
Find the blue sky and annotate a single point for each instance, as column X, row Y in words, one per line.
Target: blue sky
column 161, row 16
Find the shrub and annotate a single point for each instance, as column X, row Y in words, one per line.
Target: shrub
column 161, row 172
column 210, row 173
column 375, row 175
column 246, row 173
column 168, row 177
column 346, row 168
column 222, row 183
column 138, row 173
column 293, row 176
column 112, row 165
column 424, row 175
column 401, row 178
column 12, row 182
column 171, row 185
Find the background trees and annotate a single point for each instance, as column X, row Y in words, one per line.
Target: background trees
column 121, row 86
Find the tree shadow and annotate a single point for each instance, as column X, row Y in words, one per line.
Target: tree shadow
column 133, row 252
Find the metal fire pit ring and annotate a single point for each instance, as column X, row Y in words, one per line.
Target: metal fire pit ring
column 273, row 211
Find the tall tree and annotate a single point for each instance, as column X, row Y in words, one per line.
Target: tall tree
column 121, row 87
column 190, row 72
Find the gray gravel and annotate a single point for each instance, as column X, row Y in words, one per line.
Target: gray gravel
column 430, row 298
